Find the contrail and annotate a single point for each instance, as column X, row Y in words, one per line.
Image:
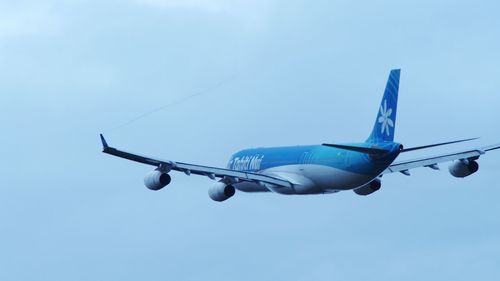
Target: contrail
column 175, row 102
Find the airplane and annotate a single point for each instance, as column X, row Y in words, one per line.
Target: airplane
column 316, row 169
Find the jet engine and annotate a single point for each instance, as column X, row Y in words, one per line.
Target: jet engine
column 369, row 188
column 221, row 192
column 156, row 180
column 463, row 168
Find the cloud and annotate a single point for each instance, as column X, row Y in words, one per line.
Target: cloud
column 27, row 19
column 251, row 15
column 212, row 6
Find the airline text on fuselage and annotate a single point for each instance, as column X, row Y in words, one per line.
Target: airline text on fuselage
column 246, row 163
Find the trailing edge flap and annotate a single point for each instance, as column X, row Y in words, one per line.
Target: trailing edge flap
column 436, row 144
column 366, row 150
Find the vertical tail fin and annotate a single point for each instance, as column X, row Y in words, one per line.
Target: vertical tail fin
column 385, row 124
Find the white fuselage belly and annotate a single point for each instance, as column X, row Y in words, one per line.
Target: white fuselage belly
column 308, row 179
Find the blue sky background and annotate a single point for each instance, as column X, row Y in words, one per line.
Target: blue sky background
column 297, row 72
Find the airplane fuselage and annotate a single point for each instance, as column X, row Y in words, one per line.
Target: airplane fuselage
column 312, row 169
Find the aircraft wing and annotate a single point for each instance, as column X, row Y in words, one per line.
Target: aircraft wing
column 432, row 162
column 227, row 175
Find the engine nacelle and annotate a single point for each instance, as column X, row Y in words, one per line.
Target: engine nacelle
column 463, row 168
column 221, row 192
column 369, row 188
column 156, row 180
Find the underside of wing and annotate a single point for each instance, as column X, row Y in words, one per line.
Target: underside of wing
column 466, row 164
column 163, row 167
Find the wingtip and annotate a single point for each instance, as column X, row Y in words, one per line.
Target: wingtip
column 103, row 140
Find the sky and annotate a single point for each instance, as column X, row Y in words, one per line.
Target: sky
column 227, row 75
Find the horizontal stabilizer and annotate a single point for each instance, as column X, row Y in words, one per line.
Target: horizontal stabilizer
column 366, row 150
column 437, row 144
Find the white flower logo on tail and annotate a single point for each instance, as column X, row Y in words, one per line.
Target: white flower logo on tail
column 384, row 119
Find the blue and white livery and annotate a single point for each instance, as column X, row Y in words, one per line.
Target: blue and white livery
column 315, row 169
